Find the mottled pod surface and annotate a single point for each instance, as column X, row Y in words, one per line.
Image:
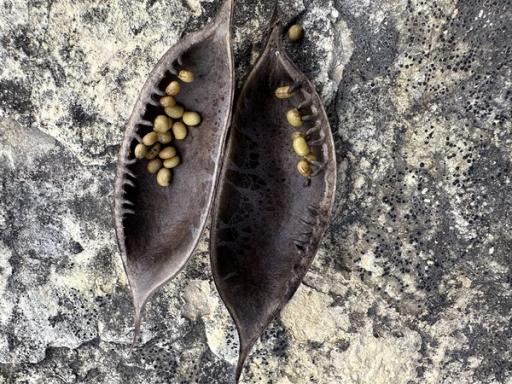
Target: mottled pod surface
column 158, row 228
column 268, row 219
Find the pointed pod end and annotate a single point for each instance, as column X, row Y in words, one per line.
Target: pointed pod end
column 225, row 13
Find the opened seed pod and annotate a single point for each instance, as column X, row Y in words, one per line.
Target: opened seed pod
column 268, row 219
column 158, row 228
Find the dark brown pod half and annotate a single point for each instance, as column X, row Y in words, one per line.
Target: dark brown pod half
column 268, row 219
column 158, row 228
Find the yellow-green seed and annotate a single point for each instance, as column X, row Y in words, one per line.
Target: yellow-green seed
column 192, row 119
column 180, row 130
column 294, row 117
column 168, row 101
column 304, row 168
column 175, row 112
column 283, row 92
column 164, row 177
column 297, row 134
column 310, row 157
column 173, row 88
column 295, row 33
column 150, row 139
column 186, row 76
column 141, row 151
column 162, row 124
column 154, row 165
column 154, row 151
column 172, row 162
column 300, row 146
column 165, row 138
column 167, row 153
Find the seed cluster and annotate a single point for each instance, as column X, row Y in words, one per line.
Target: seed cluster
column 154, row 147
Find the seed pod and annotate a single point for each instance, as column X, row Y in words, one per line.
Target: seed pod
column 175, row 112
column 192, row 119
column 172, row 162
column 295, row 33
column 162, row 124
column 180, row 130
column 165, row 138
column 150, row 139
column 154, row 151
column 164, row 177
column 141, row 151
column 154, row 165
column 300, row 146
column 167, row 153
column 173, row 89
column 283, row 92
column 186, row 76
column 294, row 117
column 168, row 101
column 266, row 232
column 304, row 168
column 310, row 157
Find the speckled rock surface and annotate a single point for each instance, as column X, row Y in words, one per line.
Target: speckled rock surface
column 413, row 281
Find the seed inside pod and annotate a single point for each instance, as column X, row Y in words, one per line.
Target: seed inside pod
column 300, row 146
column 154, row 151
column 295, row 33
column 180, row 130
column 150, row 139
column 175, row 112
column 294, row 117
column 167, row 153
column 162, row 124
column 310, row 157
column 283, row 92
column 172, row 162
column 304, row 168
column 168, row 101
column 165, row 138
column 141, row 151
column 297, row 134
column 192, row 119
column 164, row 177
column 154, row 165
column 186, row 76
column 173, row 88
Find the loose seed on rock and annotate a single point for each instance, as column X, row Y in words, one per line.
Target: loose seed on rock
column 192, row 119
column 300, row 146
column 164, row 177
column 186, row 76
column 150, row 139
column 165, row 138
column 154, row 151
column 168, row 101
column 304, row 168
column 154, row 165
column 162, row 124
column 295, row 33
column 310, row 157
column 294, row 117
column 173, row 88
column 180, row 130
column 172, row 162
column 175, row 112
column 283, row 92
column 167, row 153
column 141, row 151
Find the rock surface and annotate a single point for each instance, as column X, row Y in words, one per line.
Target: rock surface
column 413, row 281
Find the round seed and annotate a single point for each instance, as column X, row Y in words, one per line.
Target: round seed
column 172, row 162
column 192, row 119
column 165, row 138
column 141, row 151
column 173, row 88
column 304, row 168
column 154, row 165
column 283, row 92
column 162, row 124
column 164, row 177
column 294, row 118
column 168, row 101
column 167, row 153
column 297, row 134
column 150, row 139
column 180, row 130
column 310, row 157
column 154, row 151
column 295, row 33
column 186, row 76
column 175, row 112
column 300, row 146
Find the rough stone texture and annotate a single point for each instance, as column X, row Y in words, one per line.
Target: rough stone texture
column 413, row 282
